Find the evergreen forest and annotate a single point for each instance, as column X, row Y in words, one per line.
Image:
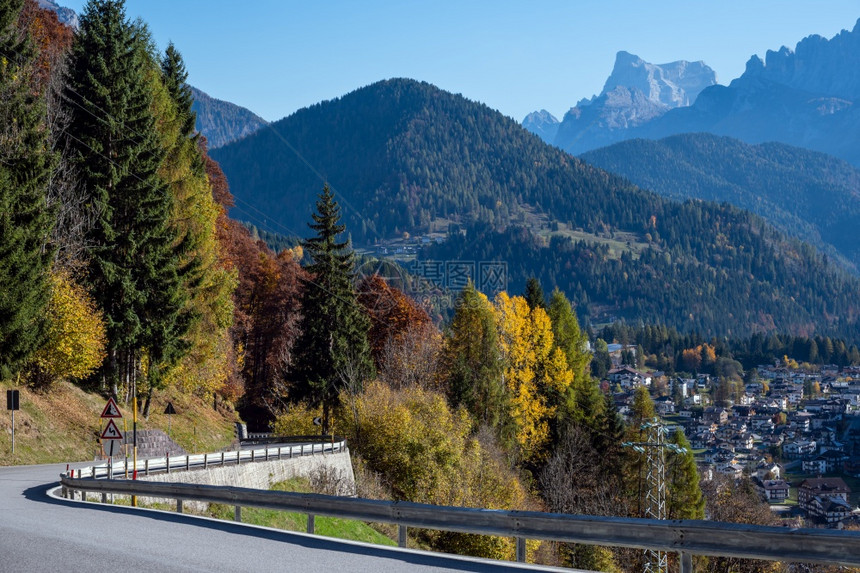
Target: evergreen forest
column 405, row 156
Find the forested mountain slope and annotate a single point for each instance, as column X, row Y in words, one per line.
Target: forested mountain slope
column 402, row 154
column 806, row 194
column 221, row 121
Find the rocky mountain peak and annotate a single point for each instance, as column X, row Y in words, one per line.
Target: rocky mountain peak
column 543, row 124
column 636, row 92
column 816, row 65
column 675, row 84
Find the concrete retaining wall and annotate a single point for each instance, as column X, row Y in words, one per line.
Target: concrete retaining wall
column 333, row 469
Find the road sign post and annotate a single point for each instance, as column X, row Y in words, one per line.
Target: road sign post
column 111, row 436
column 13, row 403
column 169, row 412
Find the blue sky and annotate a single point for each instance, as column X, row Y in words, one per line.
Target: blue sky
column 277, row 56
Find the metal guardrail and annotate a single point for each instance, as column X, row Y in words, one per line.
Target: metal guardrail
column 685, row 537
column 125, row 468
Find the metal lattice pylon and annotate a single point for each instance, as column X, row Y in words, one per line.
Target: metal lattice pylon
column 654, row 447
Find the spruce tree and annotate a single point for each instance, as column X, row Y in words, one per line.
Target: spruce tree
column 133, row 268
column 25, row 220
column 609, row 437
column 534, row 294
column 175, row 77
column 332, row 351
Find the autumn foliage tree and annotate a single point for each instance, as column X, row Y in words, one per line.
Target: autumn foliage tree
column 266, row 310
column 391, row 313
column 537, row 377
column 205, row 366
column 75, row 345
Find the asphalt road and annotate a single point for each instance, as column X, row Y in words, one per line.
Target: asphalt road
column 40, row 533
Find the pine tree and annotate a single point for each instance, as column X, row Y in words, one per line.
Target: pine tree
column 25, row 220
column 534, row 294
column 333, row 353
column 134, row 268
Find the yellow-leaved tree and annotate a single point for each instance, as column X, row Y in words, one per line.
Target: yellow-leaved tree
column 205, row 366
column 536, row 375
column 75, row 344
column 426, row 452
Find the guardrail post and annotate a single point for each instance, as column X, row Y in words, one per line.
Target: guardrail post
column 521, row 549
column 401, row 535
column 187, row 462
column 310, row 523
column 253, row 451
column 686, row 562
column 222, row 458
column 238, row 514
column 167, row 462
column 104, row 498
column 205, row 461
column 145, row 467
column 178, row 505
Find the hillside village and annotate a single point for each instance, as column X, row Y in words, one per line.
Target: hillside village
column 794, row 432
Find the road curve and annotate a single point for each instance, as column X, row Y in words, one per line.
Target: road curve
column 40, row 533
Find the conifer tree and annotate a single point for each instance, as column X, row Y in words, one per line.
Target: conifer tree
column 25, row 220
column 207, row 281
column 684, row 499
column 332, row 351
column 584, row 399
column 473, row 359
column 134, row 268
column 609, row 437
column 175, row 77
column 534, row 294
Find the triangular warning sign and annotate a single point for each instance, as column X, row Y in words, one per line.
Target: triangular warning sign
column 111, row 410
column 111, row 432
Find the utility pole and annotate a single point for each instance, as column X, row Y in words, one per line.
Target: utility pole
column 654, row 447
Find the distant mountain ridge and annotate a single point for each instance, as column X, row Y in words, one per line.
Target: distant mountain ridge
column 806, row 194
column 636, row 92
column 403, row 156
column 808, row 97
column 222, row 122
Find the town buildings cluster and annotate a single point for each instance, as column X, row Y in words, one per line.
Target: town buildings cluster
column 786, row 423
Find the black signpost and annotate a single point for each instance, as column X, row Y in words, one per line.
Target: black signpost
column 13, row 403
column 169, row 411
